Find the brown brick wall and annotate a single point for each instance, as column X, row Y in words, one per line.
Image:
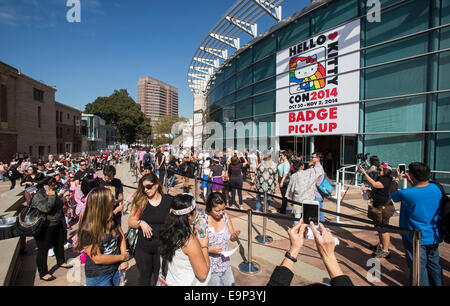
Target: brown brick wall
column 8, row 146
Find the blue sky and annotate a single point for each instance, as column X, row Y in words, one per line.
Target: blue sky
column 116, row 42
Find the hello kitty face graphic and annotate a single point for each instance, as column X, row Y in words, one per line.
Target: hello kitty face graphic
column 306, row 67
column 306, row 73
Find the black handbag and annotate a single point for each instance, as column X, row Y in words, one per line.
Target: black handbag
column 29, row 221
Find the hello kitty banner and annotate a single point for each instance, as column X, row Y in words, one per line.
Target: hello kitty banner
column 318, row 74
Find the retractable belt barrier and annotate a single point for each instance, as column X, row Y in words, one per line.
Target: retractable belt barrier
column 251, row 267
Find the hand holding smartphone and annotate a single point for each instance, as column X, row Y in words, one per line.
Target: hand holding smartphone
column 310, row 212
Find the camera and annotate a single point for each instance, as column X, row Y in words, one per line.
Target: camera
column 362, row 157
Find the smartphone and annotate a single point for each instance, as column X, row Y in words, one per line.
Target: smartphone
column 402, row 168
column 310, row 212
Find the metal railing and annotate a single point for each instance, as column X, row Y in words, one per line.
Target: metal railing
column 249, row 266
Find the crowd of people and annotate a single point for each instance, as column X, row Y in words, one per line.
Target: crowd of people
column 178, row 245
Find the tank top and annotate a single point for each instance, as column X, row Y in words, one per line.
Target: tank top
column 155, row 217
column 181, row 273
column 218, row 262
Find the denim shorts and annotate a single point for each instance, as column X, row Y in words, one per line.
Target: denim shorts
column 112, row 279
column 222, row 278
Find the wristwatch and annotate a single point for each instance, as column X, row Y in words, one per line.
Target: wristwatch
column 139, row 223
column 287, row 255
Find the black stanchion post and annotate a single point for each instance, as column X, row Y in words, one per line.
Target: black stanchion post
column 249, row 266
column 416, row 257
column 264, row 238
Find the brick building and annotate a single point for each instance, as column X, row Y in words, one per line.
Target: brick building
column 27, row 115
column 68, row 129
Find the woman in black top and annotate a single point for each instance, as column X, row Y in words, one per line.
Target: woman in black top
column 382, row 189
column 52, row 233
column 236, row 179
column 31, row 178
column 150, row 207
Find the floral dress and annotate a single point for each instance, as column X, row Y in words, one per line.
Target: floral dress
column 266, row 178
column 218, row 262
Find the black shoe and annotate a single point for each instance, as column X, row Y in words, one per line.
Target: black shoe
column 52, row 278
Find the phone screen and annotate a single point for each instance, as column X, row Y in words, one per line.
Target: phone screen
column 310, row 213
column 402, row 168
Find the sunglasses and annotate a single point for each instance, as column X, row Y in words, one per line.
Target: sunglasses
column 83, row 165
column 149, row 186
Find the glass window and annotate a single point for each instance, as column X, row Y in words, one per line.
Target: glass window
column 228, row 113
column 444, row 58
column 264, row 69
column 244, row 93
column 443, row 140
column 244, row 59
column 334, row 14
column 383, row 81
column 400, row 115
column 268, row 122
column 264, row 104
column 244, row 78
column 264, row 85
column 264, row 48
column 244, row 109
column 403, row 19
column 397, row 50
column 229, row 69
column 396, row 149
column 293, row 33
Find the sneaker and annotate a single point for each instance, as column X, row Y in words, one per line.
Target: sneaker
column 375, row 248
column 51, row 253
column 68, row 245
column 383, row 254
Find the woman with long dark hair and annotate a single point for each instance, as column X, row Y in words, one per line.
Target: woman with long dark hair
column 184, row 254
column 149, row 210
column 52, row 233
column 31, row 177
column 103, row 240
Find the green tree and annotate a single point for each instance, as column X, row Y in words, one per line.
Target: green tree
column 120, row 111
column 164, row 126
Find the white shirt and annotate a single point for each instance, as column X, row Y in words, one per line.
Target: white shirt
column 252, row 159
column 202, row 157
column 181, row 273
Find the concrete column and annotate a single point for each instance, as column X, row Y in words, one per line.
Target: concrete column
column 199, row 120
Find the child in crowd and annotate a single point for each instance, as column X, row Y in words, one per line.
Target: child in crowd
column 102, row 240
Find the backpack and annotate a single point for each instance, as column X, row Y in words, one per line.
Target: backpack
column 28, row 194
column 147, row 159
column 325, row 188
column 444, row 214
column 30, row 220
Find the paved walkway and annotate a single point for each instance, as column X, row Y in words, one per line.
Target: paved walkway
column 352, row 253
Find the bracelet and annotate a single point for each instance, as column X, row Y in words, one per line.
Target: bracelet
column 139, row 223
column 287, row 255
column 204, row 247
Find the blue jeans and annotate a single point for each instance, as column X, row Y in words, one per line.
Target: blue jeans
column 172, row 181
column 2, row 176
column 321, row 217
column 430, row 267
column 112, row 279
column 259, row 199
